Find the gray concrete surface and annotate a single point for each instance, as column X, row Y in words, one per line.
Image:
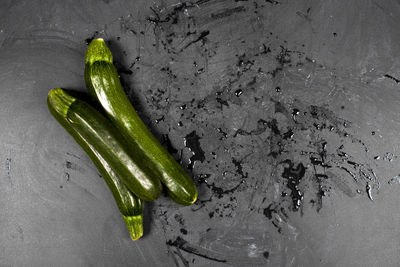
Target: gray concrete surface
column 284, row 112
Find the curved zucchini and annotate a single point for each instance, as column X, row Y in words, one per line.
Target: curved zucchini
column 105, row 139
column 103, row 83
column 128, row 204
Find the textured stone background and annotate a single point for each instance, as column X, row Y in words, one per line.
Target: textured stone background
column 284, row 112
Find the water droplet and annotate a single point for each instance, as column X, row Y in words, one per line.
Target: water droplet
column 295, row 113
column 238, row 92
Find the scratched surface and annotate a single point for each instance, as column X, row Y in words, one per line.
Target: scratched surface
column 285, row 113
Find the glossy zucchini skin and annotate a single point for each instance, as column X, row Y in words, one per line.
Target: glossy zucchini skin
column 106, row 140
column 128, row 204
column 102, row 81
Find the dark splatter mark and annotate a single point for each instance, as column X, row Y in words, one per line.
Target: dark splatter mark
column 265, row 50
column 268, row 211
column 192, row 141
column 160, row 119
column 224, row 134
column 273, row 212
column 88, row 40
column 68, row 164
column 228, row 12
column 121, row 69
column 288, row 135
column 283, row 58
column 8, row 167
column 262, row 125
column 266, row 254
column 245, row 63
column 183, row 231
column 222, row 102
column 239, row 168
column 193, row 249
column 294, row 176
column 273, row 125
column 179, row 219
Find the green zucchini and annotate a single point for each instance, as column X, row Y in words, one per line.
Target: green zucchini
column 106, row 140
column 104, row 85
column 128, row 204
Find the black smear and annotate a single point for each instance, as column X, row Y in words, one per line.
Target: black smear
column 160, row 119
column 393, row 78
column 283, row 58
column 88, row 40
column 288, row 135
column 228, row 12
column 239, row 168
column 201, row 37
column 184, row 231
column 224, row 134
column 273, row 125
column 276, row 221
column 245, row 63
column 262, row 125
column 266, row 254
column 294, row 176
column 268, row 211
column 222, row 102
column 179, row 219
column 73, row 155
column 8, row 166
column 192, row 141
column 265, row 50
column 184, row 261
column 218, row 191
column 199, row 251
column 272, row 2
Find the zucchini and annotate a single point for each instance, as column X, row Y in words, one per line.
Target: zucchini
column 105, row 139
column 102, row 81
column 128, row 204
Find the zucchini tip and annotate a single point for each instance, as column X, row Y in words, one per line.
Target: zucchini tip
column 98, row 51
column 60, row 101
column 135, row 226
